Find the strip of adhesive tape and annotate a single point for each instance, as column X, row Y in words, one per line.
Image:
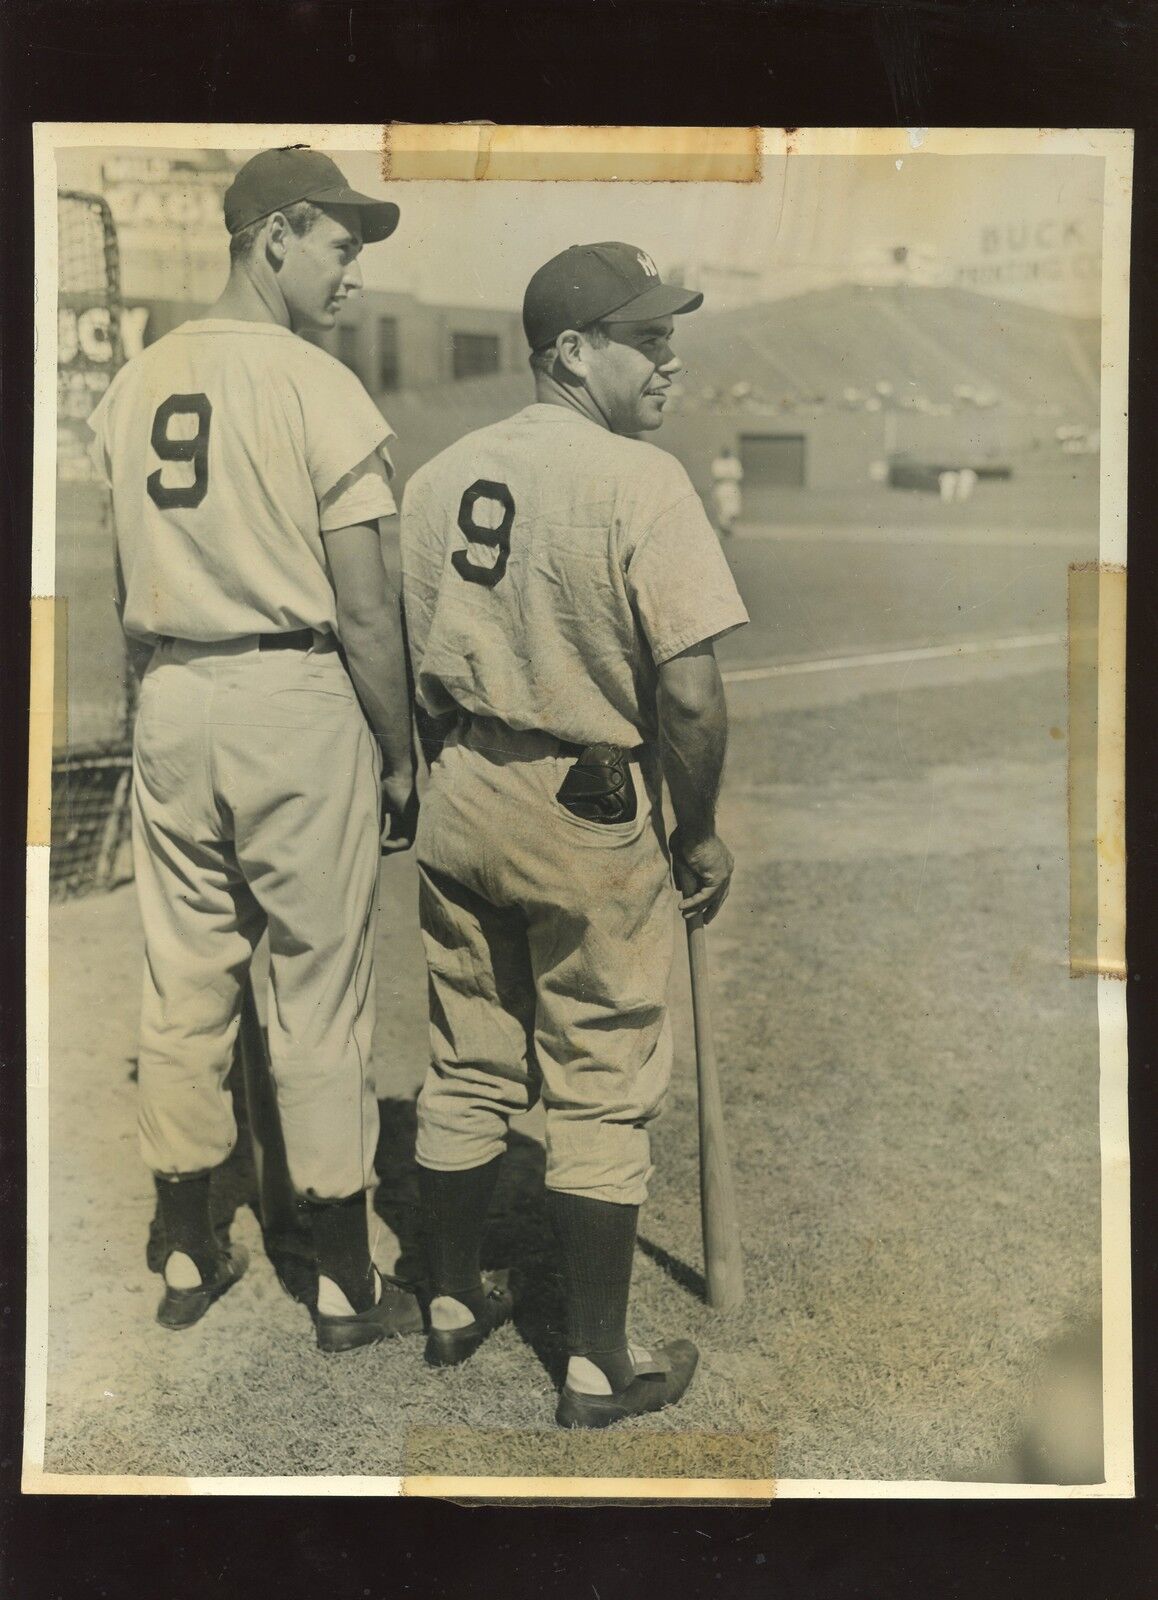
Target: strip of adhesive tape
column 580, row 1465
column 490, row 152
column 539, row 1491
column 47, row 709
column 1097, row 749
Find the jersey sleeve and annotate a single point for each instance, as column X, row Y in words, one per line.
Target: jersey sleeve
column 680, row 582
column 363, row 495
column 98, row 455
column 98, row 449
column 342, row 425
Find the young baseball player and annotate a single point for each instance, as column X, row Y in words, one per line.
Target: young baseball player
column 563, row 587
column 249, row 471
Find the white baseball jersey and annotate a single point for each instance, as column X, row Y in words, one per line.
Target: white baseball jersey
column 727, row 475
column 549, row 566
column 727, row 469
column 231, row 447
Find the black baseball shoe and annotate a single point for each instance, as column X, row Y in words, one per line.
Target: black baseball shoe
column 181, row 1308
column 662, row 1376
column 447, row 1347
column 397, row 1312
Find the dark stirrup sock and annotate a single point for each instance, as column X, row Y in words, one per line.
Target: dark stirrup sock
column 185, row 1221
column 597, row 1246
column 454, row 1214
column 342, row 1242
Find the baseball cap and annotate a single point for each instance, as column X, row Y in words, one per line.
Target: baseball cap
column 278, row 178
column 608, row 282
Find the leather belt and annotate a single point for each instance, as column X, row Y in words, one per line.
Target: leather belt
column 302, row 639
column 563, row 747
column 577, row 750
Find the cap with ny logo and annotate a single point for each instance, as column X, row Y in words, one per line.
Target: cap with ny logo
column 608, row 282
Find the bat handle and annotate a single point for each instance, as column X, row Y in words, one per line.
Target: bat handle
column 698, row 964
column 686, row 882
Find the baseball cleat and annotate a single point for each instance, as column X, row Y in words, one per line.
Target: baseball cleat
column 660, row 1380
column 181, row 1308
column 396, row 1312
column 447, row 1347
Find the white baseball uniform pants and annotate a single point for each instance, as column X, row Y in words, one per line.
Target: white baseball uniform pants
column 255, row 805
column 549, row 944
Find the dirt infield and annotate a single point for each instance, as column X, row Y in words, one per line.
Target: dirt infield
column 911, row 1082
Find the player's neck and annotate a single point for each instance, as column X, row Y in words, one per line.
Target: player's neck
column 247, row 298
column 548, row 391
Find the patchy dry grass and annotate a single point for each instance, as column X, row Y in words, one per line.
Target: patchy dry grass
column 911, row 1085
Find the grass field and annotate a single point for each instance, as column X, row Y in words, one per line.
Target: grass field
column 910, row 1077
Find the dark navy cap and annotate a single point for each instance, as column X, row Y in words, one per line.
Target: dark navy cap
column 276, row 179
column 608, row 282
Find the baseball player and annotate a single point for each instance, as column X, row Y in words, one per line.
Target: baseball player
column 727, row 476
column 563, row 587
column 249, row 471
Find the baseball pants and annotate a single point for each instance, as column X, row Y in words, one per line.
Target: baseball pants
column 549, row 943
column 255, row 806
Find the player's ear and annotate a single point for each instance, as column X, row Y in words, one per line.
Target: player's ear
column 277, row 234
column 572, row 352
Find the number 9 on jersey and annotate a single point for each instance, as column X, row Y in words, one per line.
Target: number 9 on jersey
column 485, row 558
column 192, row 448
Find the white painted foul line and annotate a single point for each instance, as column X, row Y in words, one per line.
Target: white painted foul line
column 893, row 658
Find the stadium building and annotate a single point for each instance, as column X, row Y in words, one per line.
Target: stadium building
column 820, row 392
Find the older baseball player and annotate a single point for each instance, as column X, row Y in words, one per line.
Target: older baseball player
column 563, row 587
column 249, row 472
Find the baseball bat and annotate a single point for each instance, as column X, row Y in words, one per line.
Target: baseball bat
column 719, row 1216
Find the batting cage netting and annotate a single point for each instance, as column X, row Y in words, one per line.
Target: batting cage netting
column 91, row 746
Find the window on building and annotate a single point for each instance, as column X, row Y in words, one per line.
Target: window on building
column 773, row 460
column 388, row 373
column 350, row 346
column 472, row 355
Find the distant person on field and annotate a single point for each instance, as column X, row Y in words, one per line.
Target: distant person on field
column 956, row 483
column 727, row 476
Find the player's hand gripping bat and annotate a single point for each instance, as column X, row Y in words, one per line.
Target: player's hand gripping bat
column 723, row 1257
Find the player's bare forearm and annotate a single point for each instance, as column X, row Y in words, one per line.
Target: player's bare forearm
column 693, row 738
column 370, row 626
column 376, row 661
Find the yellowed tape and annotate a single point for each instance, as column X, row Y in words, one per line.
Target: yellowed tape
column 625, row 1488
column 47, row 709
column 1097, row 781
column 465, row 1463
column 494, row 153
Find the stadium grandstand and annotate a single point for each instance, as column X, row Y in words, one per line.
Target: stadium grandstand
column 814, row 390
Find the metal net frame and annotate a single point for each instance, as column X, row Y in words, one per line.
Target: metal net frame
column 91, row 784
